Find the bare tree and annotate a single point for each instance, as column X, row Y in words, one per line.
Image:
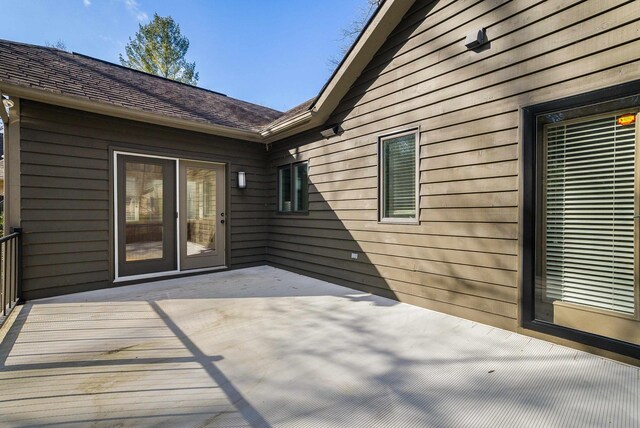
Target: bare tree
column 354, row 29
column 60, row 44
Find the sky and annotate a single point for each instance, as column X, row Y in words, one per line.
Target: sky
column 270, row 52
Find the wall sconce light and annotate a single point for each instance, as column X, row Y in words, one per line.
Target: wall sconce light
column 8, row 103
column 242, row 180
column 331, row 131
column 476, row 39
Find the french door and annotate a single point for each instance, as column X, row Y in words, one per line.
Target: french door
column 158, row 231
column 202, row 219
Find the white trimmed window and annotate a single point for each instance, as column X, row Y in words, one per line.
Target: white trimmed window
column 398, row 190
column 293, row 188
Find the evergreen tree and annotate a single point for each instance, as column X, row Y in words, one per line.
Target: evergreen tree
column 159, row 48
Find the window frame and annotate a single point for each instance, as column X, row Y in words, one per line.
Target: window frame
column 382, row 218
column 603, row 100
column 292, row 191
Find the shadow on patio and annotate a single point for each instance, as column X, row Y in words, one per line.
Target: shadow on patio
column 127, row 363
column 264, row 347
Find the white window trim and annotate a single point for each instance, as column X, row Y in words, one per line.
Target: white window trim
column 381, row 195
column 292, row 190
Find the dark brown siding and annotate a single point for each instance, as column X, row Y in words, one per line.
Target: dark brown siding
column 463, row 256
column 66, row 183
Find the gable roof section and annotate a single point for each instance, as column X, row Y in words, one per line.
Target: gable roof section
column 81, row 82
column 382, row 23
column 293, row 112
column 27, row 69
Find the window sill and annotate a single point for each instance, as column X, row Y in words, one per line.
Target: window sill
column 412, row 221
column 286, row 213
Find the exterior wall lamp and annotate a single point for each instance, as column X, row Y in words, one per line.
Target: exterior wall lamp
column 332, row 131
column 477, row 41
column 242, row 180
column 7, row 103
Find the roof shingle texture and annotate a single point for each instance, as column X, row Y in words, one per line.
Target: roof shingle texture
column 76, row 75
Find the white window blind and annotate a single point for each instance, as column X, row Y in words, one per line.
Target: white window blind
column 589, row 213
column 399, row 177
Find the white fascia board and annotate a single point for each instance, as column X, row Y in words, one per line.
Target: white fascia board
column 383, row 23
column 376, row 33
column 126, row 113
column 293, row 122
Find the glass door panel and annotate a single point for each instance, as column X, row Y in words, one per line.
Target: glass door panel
column 146, row 215
column 202, row 215
column 201, row 211
column 143, row 211
column 586, row 235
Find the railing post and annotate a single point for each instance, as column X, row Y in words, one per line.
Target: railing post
column 3, row 251
column 10, row 272
column 10, row 257
column 18, row 230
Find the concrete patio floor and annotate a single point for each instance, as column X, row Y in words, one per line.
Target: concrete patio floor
column 264, row 347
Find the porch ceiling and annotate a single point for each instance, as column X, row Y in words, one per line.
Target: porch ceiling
column 265, row 347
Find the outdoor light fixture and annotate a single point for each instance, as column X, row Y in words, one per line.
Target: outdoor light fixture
column 7, row 103
column 242, row 180
column 4, row 109
column 331, row 132
column 476, row 39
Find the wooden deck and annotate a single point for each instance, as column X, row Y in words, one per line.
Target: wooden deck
column 264, row 347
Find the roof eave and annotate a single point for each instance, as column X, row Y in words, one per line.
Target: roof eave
column 372, row 38
column 376, row 32
column 127, row 113
column 293, row 122
column 361, row 53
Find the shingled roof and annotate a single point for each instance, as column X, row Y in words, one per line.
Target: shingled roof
column 293, row 112
column 76, row 75
column 77, row 81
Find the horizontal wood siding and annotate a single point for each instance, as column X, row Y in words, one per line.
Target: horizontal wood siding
column 66, row 193
column 462, row 258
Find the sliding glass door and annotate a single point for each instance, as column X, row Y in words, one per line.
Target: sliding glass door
column 587, row 235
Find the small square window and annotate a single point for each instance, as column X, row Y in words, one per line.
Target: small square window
column 293, row 188
column 399, row 177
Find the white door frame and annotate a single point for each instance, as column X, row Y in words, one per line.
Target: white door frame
column 117, row 277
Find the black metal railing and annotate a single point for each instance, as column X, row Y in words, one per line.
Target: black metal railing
column 10, row 271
